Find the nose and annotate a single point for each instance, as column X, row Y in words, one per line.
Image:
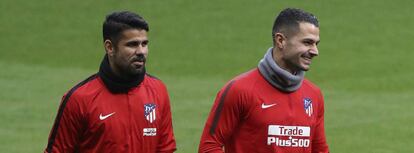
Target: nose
column 140, row 57
column 141, row 49
column 314, row 51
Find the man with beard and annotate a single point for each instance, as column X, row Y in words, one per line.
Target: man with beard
column 272, row 108
column 121, row 108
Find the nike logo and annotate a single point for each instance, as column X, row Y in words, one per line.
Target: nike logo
column 106, row 116
column 264, row 106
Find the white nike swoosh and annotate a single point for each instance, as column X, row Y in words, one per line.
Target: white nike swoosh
column 267, row 106
column 106, row 116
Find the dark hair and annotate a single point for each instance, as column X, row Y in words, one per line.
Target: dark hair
column 288, row 20
column 116, row 22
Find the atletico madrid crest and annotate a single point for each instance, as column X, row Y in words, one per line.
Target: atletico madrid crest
column 307, row 103
column 150, row 112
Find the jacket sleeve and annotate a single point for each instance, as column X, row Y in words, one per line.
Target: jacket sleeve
column 167, row 142
column 223, row 118
column 319, row 144
column 65, row 133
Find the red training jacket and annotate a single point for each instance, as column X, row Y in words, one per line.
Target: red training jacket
column 92, row 119
column 249, row 115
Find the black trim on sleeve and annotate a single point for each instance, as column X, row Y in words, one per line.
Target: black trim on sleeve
column 60, row 112
column 220, row 108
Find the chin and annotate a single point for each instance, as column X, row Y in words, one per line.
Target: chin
column 138, row 71
column 305, row 68
column 133, row 72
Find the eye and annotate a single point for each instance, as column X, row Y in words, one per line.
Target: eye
column 307, row 43
column 310, row 42
column 132, row 44
column 144, row 43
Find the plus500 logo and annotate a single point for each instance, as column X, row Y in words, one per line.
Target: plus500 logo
column 291, row 142
column 277, row 132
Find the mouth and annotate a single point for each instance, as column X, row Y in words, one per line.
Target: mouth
column 138, row 63
column 308, row 60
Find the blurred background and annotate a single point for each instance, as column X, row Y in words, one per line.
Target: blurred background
column 365, row 65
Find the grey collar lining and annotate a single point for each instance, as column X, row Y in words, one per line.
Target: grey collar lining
column 278, row 77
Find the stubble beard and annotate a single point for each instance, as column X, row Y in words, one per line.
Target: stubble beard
column 128, row 69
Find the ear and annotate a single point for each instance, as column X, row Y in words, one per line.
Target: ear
column 280, row 40
column 109, row 47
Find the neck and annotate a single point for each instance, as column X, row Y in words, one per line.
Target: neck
column 114, row 70
column 277, row 76
column 277, row 57
column 114, row 82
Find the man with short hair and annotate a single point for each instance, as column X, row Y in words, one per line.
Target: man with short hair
column 121, row 108
column 272, row 108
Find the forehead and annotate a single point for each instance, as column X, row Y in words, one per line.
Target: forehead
column 307, row 31
column 134, row 34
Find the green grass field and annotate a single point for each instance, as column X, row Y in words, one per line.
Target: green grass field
column 365, row 65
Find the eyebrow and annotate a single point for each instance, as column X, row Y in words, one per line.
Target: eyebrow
column 137, row 41
column 312, row 40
